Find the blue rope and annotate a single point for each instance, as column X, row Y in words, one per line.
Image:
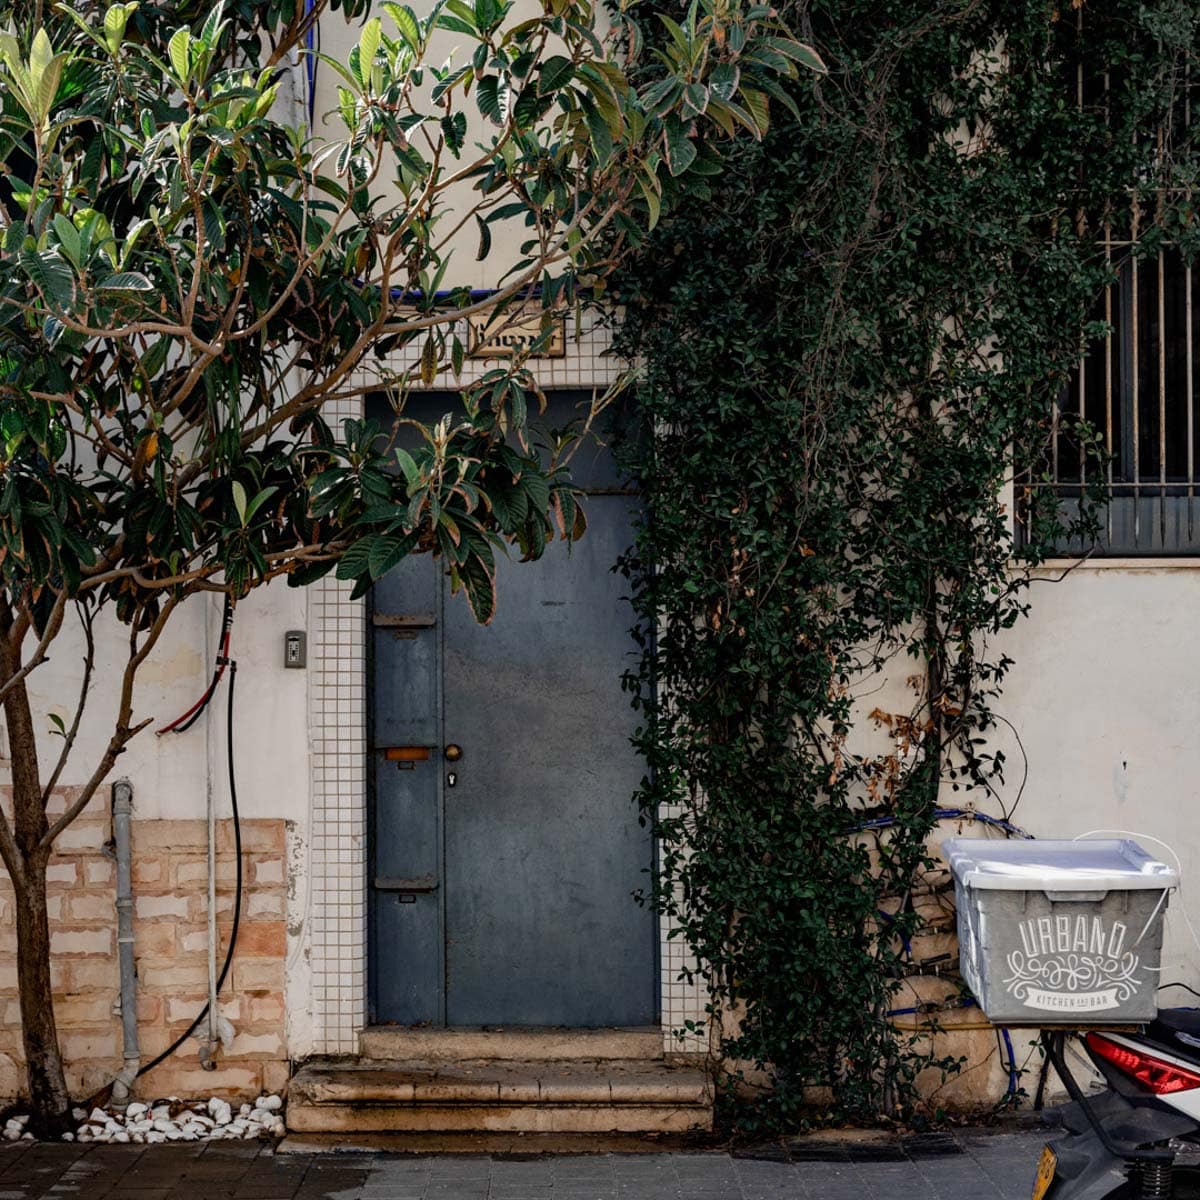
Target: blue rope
column 1012, row 1064
column 950, row 814
column 891, row 920
column 310, row 65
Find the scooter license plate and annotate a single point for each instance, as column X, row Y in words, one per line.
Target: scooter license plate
column 1045, row 1173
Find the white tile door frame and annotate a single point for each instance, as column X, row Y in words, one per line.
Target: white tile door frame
column 337, row 936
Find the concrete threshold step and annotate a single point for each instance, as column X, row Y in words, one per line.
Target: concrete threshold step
column 536, row 1096
column 523, row 1044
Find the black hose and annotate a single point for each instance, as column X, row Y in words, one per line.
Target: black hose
column 1039, row 1100
column 237, row 897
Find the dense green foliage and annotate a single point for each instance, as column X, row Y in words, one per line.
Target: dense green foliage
column 186, row 282
column 852, row 342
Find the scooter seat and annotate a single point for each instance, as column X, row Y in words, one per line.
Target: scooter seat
column 1177, row 1030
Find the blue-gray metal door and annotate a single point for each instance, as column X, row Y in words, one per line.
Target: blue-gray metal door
column 503, row 882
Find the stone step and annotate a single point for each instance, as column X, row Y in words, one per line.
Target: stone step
column 398, row 1042
column 535, row 1096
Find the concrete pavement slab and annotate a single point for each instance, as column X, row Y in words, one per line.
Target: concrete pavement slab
column 941, row 1166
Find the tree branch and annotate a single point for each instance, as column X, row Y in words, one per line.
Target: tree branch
column 39, row 653
column 89, row 661
column 123, row 732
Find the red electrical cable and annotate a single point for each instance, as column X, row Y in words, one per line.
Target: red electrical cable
column 187, row 719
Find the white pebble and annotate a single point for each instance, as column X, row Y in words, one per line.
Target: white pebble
column 160, row 1112
column 68, row 1136
column 163, row 1125
column 21, row 1118
column 174, row 1134
column 79, row 1113
column 260, row 1115
column 140, row 1138
column 11, row 1135
column 135, row 1110
column 154, row 1137
column 97, row 1116
column 27, row 1137
column 244, row 1111
column 120, row 1136
column 84, row 1136
column 269, row 1102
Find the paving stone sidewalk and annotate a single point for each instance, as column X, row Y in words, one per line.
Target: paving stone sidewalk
column 963, row 1166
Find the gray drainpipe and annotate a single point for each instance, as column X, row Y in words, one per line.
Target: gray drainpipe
column 122, row 807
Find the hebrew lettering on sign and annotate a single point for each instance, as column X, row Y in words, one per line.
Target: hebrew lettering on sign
column 510, row 334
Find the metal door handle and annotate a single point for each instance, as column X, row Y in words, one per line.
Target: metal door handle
column 453, row 753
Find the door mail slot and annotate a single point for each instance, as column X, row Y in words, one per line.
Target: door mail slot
column 406, row 754
column 419, row 883
column 382, row 620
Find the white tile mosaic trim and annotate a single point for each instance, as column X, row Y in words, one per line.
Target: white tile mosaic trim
column 683, row 999
column 337, row 718
column 338, row 866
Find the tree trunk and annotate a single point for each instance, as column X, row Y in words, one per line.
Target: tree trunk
column 50, row 1103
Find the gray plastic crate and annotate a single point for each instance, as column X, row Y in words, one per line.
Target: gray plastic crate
column 1058, row 932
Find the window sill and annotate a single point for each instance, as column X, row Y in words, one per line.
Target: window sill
column 1057, row 566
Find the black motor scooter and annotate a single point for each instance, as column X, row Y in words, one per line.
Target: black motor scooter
column 1139, row 1139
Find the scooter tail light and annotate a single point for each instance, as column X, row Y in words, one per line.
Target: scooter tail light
column 1160, row 1077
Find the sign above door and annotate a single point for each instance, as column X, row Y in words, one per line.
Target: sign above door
column 509, row 334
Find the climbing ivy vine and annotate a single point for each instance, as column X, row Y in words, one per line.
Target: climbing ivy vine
column 853, row 342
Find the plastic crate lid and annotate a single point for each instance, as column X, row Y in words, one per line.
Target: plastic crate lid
column 1055, row 866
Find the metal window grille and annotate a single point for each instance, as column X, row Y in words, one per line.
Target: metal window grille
column 1136, row 388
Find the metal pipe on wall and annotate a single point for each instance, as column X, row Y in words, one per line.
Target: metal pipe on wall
column 122, row 814
column 208, row 1046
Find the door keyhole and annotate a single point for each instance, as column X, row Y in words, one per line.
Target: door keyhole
column 451, row 778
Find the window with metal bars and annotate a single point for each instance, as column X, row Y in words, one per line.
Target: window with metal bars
column 1125, row 440
column 1136, row 390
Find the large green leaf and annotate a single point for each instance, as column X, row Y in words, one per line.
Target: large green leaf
column 487, row 97
column 179, row 52
column 556, row 72
column 125, row 281
column 406, row 23
column 680, row 149
column 52, row 275
column 368, row 46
